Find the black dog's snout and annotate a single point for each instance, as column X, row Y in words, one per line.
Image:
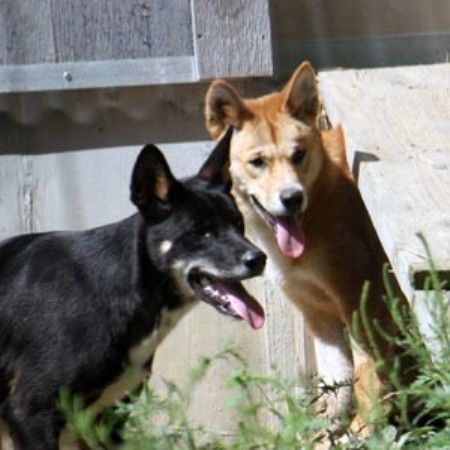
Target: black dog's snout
column 292, row 199
column 255, row 260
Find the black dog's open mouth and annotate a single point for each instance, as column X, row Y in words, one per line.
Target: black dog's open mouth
column 288, row 231
column 228, row 297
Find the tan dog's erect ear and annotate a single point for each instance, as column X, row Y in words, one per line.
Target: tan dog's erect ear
column 224, row 107
column 301, row 94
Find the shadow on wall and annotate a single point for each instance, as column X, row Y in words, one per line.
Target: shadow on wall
column 45, row 122
column 363, row 33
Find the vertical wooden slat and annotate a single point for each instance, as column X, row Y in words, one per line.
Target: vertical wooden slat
column 26, row 33
column 288, row 344
column 232, row 38
column 88, row 30
column 10, row 196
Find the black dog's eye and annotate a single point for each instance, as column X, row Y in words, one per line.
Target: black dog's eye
column 298, row 155
column 258, row 162
column 207, row 235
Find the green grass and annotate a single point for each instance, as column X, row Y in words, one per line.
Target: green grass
column 159, row 421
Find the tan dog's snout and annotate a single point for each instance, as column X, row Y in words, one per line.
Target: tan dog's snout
column 292, row 199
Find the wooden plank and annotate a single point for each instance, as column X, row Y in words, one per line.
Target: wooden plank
column 232, row 39
column 393, row 114
column 11, row 220
column 26, row 33
column 92, row 30
column 424, row 306
column 396, row 123
column 67, row 192
column 405, row 199
column 86, row 75
column 288, row 345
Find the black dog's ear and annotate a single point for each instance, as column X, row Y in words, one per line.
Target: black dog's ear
column 152, row 184
column 216, row 169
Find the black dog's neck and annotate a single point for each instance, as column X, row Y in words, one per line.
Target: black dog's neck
column 145, row 290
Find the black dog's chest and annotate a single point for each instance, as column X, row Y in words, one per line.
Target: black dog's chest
column 139, row 359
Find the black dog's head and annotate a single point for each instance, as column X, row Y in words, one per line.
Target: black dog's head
column 195, row 232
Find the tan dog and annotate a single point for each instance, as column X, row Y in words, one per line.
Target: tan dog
column 300, row 203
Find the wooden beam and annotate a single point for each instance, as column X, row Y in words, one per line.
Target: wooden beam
column 93, row 74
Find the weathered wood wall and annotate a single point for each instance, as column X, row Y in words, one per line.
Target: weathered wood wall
column 401, row 155
column 230, row 43
column 62, row 44
column 78, row 30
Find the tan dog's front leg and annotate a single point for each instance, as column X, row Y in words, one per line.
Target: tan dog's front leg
column 369, row 389
column 334, row 367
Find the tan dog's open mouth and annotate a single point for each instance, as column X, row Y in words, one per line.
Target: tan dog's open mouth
column 288, row 231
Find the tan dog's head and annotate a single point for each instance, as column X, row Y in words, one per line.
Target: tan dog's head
column 275, row 151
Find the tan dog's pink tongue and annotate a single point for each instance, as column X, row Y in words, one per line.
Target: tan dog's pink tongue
column 242, row 303
column 290, row 237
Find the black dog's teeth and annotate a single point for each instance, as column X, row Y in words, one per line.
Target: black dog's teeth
column 213, row 293
column 204, row 286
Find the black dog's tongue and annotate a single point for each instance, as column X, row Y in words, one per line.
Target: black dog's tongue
column 241, row 302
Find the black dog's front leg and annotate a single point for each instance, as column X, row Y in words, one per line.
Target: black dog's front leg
column 31, row 428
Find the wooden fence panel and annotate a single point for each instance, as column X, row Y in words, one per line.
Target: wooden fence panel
column 11, row 190
column 92, row 30
column 232, row 39
column 26, row 32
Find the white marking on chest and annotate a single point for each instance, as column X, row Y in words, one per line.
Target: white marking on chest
column 138, row 356
column 142, row 352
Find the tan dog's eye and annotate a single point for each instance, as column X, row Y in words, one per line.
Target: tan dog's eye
column 258, row 162
column 298, row 155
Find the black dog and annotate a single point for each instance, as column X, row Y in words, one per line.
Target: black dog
column 80, row 309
